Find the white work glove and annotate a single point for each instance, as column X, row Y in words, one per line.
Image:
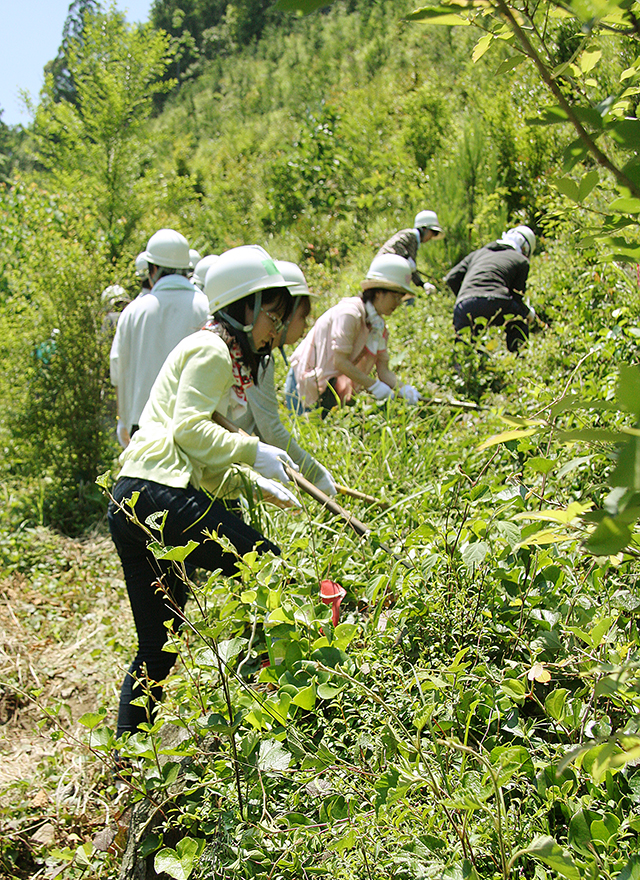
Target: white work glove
column 410, row 394
column 428, row 287
column 323, row 480
column 380, row 390
column 122, row 434
column 531, row 317
column 270, row 461
column 278, row 491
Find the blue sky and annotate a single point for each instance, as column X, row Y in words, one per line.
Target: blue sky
column 30, row 35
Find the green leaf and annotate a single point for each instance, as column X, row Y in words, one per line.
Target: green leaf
column 505, row 436
column 628, row 386
column 305, row 698
column 175, row 554
column 605, row 830
column 579, row 836
column 568, row 187
column 626, row 133
column 481, row 47
column 590, row 435
column 588, row 184
column 596, row 634
column 541, row 465
column 230, row 649
column 625, row 206
column 509, row 531
column 474, row 554
column 509, row 64
column 609, row 538
column 555, row 702
column 330, row 656
column 437, row 15
column 631, row 870
column 549, row 116
column 514, row 689
column 273, row 756
column 179, row 862
column 328, row 692
column 546, row 850
column 627, row 470
column 92, row 719
column 588, row 60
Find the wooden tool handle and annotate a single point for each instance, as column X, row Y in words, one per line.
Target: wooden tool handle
column 355, row 493
column 324, row 499
column 359, row 527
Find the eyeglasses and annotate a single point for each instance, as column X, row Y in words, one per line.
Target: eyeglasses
column 276, row 322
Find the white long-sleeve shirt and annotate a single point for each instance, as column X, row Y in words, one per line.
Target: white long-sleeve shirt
column 148, row 330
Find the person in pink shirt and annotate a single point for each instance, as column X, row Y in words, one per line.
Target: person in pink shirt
column 336, row 358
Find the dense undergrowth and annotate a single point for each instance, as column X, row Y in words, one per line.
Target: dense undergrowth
column 474, row 712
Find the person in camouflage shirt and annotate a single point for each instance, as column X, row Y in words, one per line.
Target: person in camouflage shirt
column 407, row 241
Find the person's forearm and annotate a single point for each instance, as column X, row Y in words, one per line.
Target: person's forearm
column 387, row 376
column 347, row 368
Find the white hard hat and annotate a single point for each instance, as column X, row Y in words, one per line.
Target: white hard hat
column 142, row 266
column 200, row 271
column 113, row 295
column 427, row 220
column 292, row 274
column 389, row 272
column 194, row 258
column 168, row 249
column 238, row 273
column 529, row 244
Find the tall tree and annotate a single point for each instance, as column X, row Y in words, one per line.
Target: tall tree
column 64, row 87
column 98, row 144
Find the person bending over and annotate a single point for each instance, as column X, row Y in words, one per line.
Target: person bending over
column 335, row 359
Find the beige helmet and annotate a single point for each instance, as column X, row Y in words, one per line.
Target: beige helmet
column 168, row 249
column 389, row 272
column 201, row 269
column 142, row 267
column 427, row 220
column 292, row 274
column 113, row 296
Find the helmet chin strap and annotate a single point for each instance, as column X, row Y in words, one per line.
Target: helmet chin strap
column 246, row 328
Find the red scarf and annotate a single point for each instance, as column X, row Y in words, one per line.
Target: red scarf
column 242, row 378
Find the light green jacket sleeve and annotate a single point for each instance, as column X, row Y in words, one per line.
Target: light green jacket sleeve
column 177, row 443
column 262, row 418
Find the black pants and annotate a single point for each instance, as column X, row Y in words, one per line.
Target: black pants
column 189, row 512
column 496, row 311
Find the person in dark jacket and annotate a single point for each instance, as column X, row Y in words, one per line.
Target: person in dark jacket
column 490, row 283
column 406, row 243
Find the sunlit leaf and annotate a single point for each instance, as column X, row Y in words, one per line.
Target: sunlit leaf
column 588, row 60
column 437, row 15
column 481, row 47
column 539, row 673
column 273, row 756
column 506, row 436
column 551, row 854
